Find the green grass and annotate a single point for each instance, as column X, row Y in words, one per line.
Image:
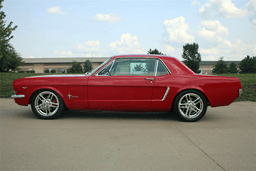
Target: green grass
column 248, row 82
column 6, row 79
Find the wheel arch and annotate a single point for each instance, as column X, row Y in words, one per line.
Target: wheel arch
column 50, row 89
column 194, row 89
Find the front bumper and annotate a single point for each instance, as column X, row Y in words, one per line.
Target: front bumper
column 240, row 91
column 18, row 96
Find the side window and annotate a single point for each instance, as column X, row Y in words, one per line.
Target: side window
column 105, row 71
column 134, row 66
column 161, row 70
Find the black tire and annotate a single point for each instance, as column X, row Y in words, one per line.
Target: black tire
column 190, row 105
column 47, row 104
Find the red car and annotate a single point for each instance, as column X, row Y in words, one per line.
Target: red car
column 148, row 83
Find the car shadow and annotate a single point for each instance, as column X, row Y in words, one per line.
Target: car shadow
column 120, row 115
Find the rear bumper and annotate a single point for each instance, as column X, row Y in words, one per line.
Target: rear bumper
column 240, row 91
column 18, row 96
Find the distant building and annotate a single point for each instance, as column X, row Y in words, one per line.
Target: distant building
column 207, row 66
column 61, row 65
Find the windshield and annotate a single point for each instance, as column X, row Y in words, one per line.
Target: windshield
column 90, row 73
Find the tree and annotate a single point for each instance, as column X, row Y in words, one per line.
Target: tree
column 155, row 52
column 232, row 68
column 9, row 58
column 76, row 68
column 248, row 65
column 87, row 66
column 139, row 68
column 192, row 56
column 220, row 67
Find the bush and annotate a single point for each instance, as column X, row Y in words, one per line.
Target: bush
column 21, row 71
column 76, row 68
column 232, row 68
column 30, row 71
column 46, row 71
column 53, row 71
column 87, row 66
column 248, row 65
column 220, row 67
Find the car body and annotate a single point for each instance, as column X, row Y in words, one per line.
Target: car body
column 135, row 83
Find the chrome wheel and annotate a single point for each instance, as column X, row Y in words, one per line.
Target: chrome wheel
column 190, row 105
column 46, row 103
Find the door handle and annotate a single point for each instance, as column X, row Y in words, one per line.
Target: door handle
column 151, row 79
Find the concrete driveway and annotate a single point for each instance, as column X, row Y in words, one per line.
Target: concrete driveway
column 225, row 139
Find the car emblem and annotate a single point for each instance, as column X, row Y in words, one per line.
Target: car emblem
column 24, row 87
column 69, row 96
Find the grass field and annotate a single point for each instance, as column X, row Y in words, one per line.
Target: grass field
column 248, row 82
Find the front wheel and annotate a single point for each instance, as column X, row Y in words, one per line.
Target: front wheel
column 190, row 105
column 47, row 104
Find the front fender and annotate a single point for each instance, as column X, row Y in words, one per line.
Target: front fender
column 46, row 88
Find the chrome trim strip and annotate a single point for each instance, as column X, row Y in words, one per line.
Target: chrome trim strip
column 71, row 75
column 156, row 66
column 111, row 63
column 93, row 72
column 240, row 91
column 165, row 94
column 17, row 96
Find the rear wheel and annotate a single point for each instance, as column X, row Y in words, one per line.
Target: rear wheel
column 47, row 104
column 190, row 105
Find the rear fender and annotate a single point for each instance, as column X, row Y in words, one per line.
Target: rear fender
column 193, row 88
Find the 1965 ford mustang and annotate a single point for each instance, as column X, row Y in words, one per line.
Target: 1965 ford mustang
column 135, row 83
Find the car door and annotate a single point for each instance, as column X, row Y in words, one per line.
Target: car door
column 124, row 84
column 164, row 88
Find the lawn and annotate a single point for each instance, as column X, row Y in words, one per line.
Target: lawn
column 248, row 82
column 6, row 88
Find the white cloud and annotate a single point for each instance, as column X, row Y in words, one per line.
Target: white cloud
column 55, row 10
column 57, row 53
column 231, row 51
column 222, row 8
column 110, row 18
column 212, row 31
column 67, row 53
column 246, row 49
column 127, row 45
column 177, row 30
column 89, row 46
column 195, row 2
column 209, row 51
column 251, row 8
column 168, row 49
column 88, row 49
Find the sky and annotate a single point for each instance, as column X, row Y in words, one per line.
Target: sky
column 97, row 28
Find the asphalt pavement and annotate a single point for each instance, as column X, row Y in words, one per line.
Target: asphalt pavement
column 224, row 139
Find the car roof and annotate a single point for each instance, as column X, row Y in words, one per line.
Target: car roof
column 142, row 56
